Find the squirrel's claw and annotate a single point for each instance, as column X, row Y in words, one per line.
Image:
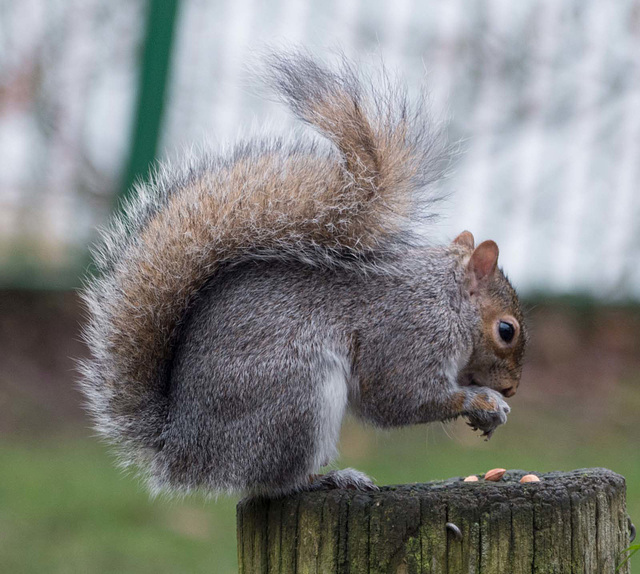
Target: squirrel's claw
column 488, row 434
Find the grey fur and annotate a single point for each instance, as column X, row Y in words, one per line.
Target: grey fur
column 261, row 322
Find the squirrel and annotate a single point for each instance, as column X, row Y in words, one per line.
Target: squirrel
column 244, row 303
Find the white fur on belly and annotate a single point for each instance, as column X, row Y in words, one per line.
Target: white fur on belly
column 333, row 402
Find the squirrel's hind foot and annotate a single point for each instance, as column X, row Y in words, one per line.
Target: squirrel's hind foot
column 346, row 478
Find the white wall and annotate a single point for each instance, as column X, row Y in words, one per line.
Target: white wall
column 544, row 96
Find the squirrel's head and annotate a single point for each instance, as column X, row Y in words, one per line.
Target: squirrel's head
column 500, row 340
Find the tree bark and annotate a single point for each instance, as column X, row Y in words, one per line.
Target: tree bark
column 570, row 522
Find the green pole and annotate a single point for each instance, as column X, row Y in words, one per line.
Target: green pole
column 154, row 74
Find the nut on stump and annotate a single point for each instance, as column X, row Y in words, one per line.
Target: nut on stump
column 495, row 474
column 529, row 478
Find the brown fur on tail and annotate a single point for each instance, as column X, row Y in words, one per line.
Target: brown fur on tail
column 390, row 150
column 267, row 200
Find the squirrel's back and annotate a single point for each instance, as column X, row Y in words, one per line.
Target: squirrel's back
column 348, row 206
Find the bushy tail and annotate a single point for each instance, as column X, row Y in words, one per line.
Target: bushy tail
column 391, row 150
column 267, row 200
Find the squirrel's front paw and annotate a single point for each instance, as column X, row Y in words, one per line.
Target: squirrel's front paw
column 345, row 478
column 485, row 409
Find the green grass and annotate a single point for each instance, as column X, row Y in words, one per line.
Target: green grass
column 65, row 508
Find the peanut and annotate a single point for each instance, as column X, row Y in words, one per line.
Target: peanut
column 495, row 474
column 529, row 478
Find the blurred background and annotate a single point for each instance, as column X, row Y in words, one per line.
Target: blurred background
column 544, row 98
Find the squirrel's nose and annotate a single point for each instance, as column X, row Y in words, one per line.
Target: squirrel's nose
column 509, row 391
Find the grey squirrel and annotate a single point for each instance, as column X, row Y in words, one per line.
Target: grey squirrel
column 245, row 303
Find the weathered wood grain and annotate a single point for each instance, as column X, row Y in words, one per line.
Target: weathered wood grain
column 571, row 522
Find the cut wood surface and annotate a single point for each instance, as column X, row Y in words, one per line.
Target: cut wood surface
column 569, row 522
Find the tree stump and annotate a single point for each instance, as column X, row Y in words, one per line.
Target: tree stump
column 569, row 522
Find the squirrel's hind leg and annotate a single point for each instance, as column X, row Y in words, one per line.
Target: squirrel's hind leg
column 307, row 422
column 331, row 374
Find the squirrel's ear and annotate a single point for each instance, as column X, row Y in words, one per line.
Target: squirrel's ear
column 465, row 239
column 483, row 263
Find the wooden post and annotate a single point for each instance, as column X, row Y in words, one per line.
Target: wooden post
column 570, row 522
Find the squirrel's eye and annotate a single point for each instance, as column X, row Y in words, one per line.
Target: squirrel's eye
column 506, row 331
